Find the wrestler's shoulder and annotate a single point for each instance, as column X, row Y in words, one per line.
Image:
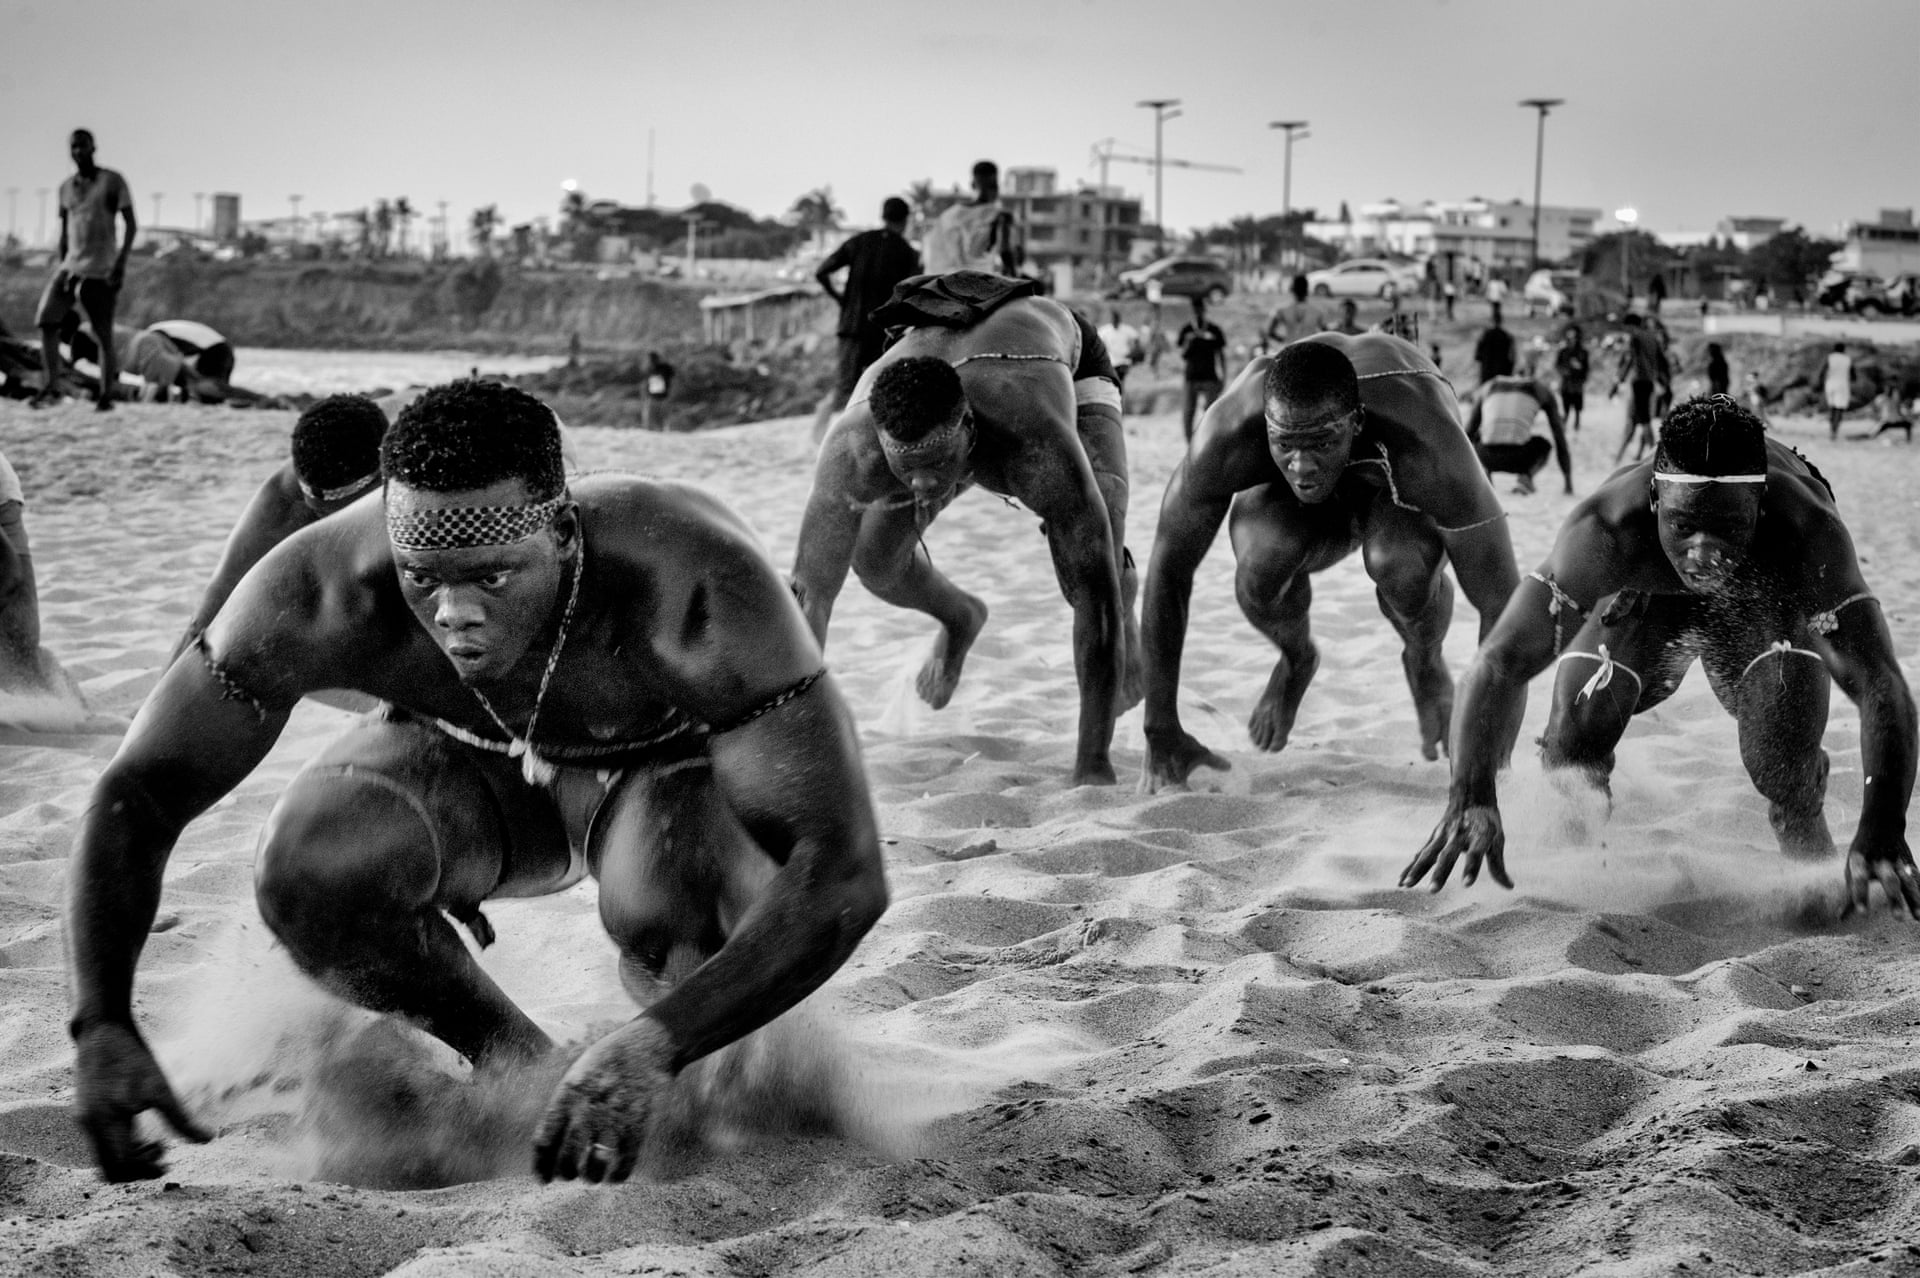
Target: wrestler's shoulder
column 656, row 518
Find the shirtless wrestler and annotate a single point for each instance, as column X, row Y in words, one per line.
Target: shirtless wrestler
column 1023, row 403
column 335, row 461
column 1335, row 443
column 1724, row 546
column 609, row 680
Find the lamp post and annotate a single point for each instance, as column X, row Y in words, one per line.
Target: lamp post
column 1542, row 105
column 1163, row 109
column 294, row 200
column 157, row 197
column 1293, row 128
column 1626, row 217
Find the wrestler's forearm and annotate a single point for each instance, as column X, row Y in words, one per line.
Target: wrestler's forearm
column 1163, row 641
column 113, row 893
column 1486, row 722
column 784, row 950
column 1887, row 755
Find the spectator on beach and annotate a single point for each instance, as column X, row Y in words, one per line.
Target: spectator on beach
column 1293, row 320
column 1203, row 346
column 1496, row 291
column 1892, row 405
column 657, row 387
column 1572, row 363
column 874, row 261
column 1719, row 376
column 1643, row 367
column 1123, row 344
column 1449, row 294
column 1837, row 383
column 90, row 270
column 976, row 236
column 1494, row 352
column 1656, row 292
column 1349, row 322
column 1503, row 427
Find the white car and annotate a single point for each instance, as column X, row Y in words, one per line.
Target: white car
column 1364, row 277
column 1551, row 291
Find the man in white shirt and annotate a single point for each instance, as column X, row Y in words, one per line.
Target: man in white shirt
column 976, row 236
column 1838, row 386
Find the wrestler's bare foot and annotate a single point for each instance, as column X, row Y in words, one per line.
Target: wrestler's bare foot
column 941, row 675
column 1271, row 722
column 1432, row 689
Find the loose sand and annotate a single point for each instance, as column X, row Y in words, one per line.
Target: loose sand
column 1098, row 1032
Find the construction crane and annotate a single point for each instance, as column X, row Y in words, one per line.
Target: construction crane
column 1104, row 154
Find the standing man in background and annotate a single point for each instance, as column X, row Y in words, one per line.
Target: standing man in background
column 1123, row 344
column 1296, row 319
column 976, row 236
column 1572, row 363
column 90, row 270
column 1204, row 348
column 1837, row 385
column 874, row 262
column 1494, row 352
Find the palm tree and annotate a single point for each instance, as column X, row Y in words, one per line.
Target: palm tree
column 404, row 213
column 920, row 199
column 815, row 212
column 382, row 227
column 484, row 222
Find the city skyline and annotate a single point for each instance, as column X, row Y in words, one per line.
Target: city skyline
column 1688, row 113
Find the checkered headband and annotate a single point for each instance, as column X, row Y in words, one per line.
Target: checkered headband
column 461, row 527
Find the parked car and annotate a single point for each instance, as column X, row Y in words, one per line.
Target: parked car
column 1364, row 277
column 1179, row 277
column 1903, row 293
column 1852, row 292
column 1551, row 291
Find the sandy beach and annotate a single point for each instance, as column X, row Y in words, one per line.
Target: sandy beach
column 1098, row 1032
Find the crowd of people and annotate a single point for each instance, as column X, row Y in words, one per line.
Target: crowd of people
column 604, row 675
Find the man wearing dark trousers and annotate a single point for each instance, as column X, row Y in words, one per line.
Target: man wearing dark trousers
column 91, row 270
column 1204, row 348
column 874, row 262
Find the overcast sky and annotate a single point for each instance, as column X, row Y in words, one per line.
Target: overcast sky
column 1689, row 110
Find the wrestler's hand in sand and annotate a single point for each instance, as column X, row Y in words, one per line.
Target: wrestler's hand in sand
column 115, row 1078
column 1171, row 757
column 1470, row 829
column 1888, row 863
column 597, row 1120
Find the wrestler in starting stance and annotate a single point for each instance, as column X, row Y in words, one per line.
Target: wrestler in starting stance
column 1726, row 546
column 335, row 461
column 608, row 680
column 1334, row 443
column 995, row 387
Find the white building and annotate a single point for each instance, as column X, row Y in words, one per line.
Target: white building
column 1496, row 233
column 1887, row 247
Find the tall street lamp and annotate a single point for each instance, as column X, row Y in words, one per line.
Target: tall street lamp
column 1293, row 128
column 1542, row 105
column 1163, row 109
column 1626, row 217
